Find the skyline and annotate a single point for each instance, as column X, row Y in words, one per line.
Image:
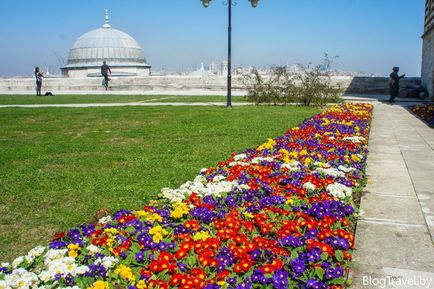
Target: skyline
column 179, row 35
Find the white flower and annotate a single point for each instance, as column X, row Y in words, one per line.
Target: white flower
column 240, row 157
column 346, row 169
column 200, row 179
column 200, row 187
column 4, row 285
column 243, row 187
column 218, row 178
column 93, row 249
column 292, row 166
column 35, row 252
column 105, row 220
column 81, row 270
column 107, row 262
column 232, row 164
column 258, row 160
column 309, row 186
column 20, row 279
column 331, row 172
column 6, row 264
column 54, row 254
column 354, row 139
column 322, row 165
column 17, row 261
column 339, row 191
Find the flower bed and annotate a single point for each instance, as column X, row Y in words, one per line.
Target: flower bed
column 425, row 112
column 276, row 216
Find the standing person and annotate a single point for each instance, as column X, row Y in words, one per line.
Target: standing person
column 38, row 75
column 394, row 84
column 105, row 69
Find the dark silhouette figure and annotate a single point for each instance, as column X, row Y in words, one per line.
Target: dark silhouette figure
column 105, row 70
column 394, row 84
column 38, row 76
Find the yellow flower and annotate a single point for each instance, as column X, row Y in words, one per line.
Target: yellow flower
column 99, row 285
column 289, row 201
column 248, row 215
column 154, row 217
column 141, row 285
column 142, row 214
column 74, row 247
column 355, row 158
column 293, row 154
column 112, row 231
column 157, row 233
column 268, row 145
column 303, row 152
column 201, row 236
column 110, row 241
column 308, row 160
column 73, row 250
column 125, row 272
column 179, row 210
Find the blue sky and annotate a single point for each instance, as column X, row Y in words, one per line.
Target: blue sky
column 367, row 35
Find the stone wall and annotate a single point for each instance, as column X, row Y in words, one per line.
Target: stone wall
column 428, row 61
column 351, row 85
column 377, row 85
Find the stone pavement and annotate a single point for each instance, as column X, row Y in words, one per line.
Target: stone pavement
column 395, row 232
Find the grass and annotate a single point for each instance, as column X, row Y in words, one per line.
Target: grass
column 63, row 99
column 58, row 166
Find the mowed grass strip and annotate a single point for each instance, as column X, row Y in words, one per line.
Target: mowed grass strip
column 73, row 99
column 58, row 166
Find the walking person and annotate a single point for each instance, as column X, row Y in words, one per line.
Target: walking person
column 394, row 84
column 105, row 70
column 38, row 76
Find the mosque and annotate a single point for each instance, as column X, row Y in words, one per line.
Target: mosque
column 121, row 52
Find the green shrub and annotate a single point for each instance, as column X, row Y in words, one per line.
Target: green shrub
column 282, row 86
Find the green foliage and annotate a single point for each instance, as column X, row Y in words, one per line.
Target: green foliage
column 307, row 87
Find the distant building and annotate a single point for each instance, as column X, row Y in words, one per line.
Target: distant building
column 428, row 48
column 121, row 52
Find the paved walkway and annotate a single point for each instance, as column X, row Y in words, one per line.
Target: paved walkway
column 395, row 232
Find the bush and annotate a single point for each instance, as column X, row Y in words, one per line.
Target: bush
column 282, row 86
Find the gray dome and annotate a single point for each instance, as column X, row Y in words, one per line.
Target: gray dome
column 117, row 48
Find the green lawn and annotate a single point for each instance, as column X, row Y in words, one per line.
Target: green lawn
column 58, row 166
column 62, row 99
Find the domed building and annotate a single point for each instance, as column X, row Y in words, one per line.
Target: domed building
column 121, row 52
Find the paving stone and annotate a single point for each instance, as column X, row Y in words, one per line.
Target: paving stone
column 402, row 246
column 406, row 209
column 374, row 277
column 394, row 237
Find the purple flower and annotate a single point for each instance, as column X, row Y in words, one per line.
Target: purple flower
column 74, row 234
column 140, row 256
column 58, row 245
column 298, row 266
column 314, row 255
column 258, row 277
column 212, row 286
column 232, row 280
column 280, row 279
column 291, row 241
column 255, row 255
column 182, row 266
